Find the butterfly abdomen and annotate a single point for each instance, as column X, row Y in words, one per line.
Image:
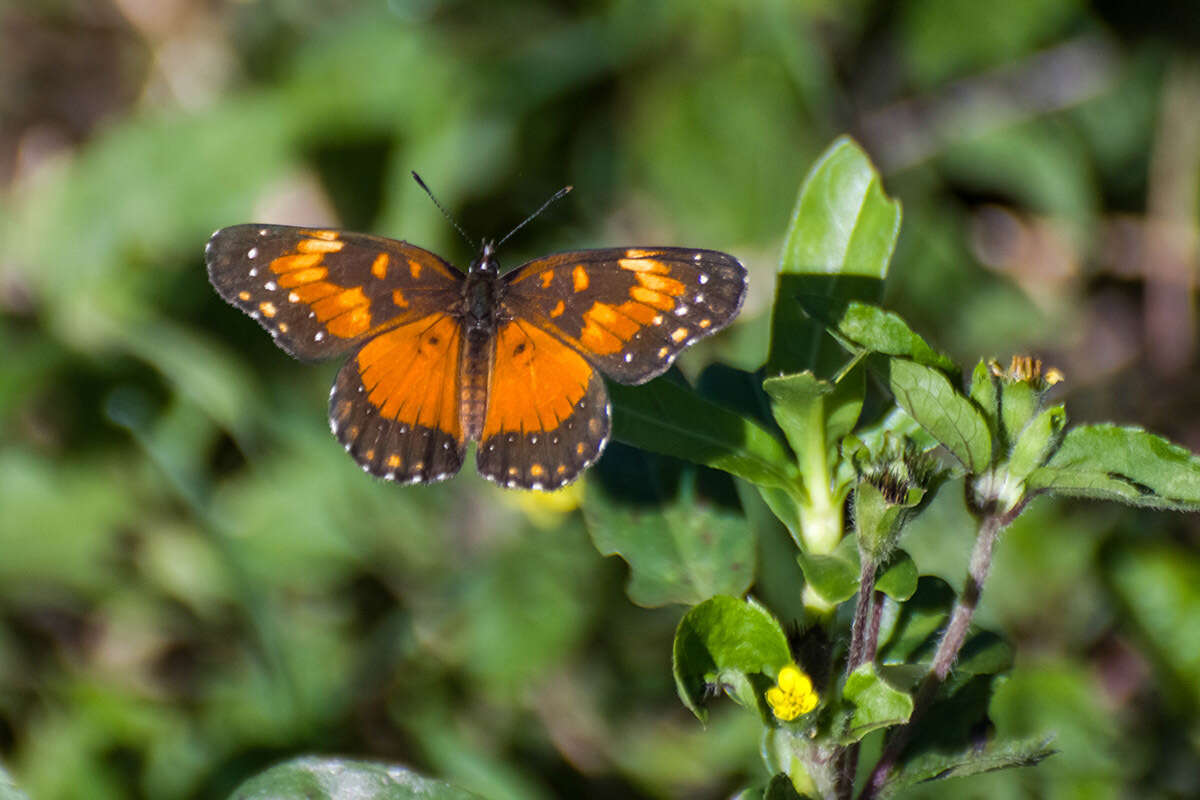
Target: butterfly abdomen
column 480, row 304
column 478, row 351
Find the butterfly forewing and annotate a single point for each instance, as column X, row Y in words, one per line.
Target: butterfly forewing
column 320, row 292
column 631, row 311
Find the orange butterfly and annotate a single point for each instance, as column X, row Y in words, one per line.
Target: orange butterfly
column 441, row 358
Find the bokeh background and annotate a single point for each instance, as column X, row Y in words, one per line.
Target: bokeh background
column 196, row 582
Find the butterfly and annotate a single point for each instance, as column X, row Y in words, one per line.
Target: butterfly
column 439, row 358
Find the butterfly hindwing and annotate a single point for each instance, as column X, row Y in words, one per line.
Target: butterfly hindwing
column 395, row 403
column 631, row 311
column 321, row 292
column 548, row 416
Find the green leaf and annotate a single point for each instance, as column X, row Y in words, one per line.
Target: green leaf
column 833, row 577
column 875, row 703
column 814, row 413
column 998, row 755
column 1129, row 465
column 838, row 245
column 843, row 406
column 948, row 416
column 898, row 578
column 878, row 522
column 316, row 778
column 737, row 390
column 868, row 327
column 842, row 224
column 1037, row 441
column 984, row 391
column 1019, row 402
column 983, row 653
column 781, row 788
column 664, row 417
column 724, row 640
column 680, row 553
column 796, row 402
column 921, row 618
column 787, row 508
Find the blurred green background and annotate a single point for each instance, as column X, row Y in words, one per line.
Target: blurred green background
column 196, row 582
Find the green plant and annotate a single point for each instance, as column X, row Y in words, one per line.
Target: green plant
column 852, row 411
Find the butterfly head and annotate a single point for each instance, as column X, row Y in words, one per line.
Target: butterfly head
column 487, row 262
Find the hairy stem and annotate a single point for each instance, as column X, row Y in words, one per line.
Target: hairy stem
column 873, row 631
column 862, row 649
column 952, row 641
column 860, row 628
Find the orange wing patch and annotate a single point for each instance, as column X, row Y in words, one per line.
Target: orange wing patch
column 321, row 245
column 379, row 266
column 536, row 381
column 641, row 263
column 345, row 311
column 410, row 374
column 641, row 294
column 657, row 283
column 606, row 328
column 329, row 236
column 579, row 278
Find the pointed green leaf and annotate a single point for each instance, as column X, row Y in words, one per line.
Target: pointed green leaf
column 1037, row 441
column 998, row 755
column 665, row 417
column 725, row 639
column 797, row 403
column 984, row 391
column 1019, row 402
column 1129, row 465
column 679, row 553
column 843, row 406
column 839, row 243
column 842, row 224
column 948, row 416
column 876, row 703
column 316, row 778
column 862, row 326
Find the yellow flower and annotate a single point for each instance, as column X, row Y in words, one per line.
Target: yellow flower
column 792, row 694
column 1027, row 369
column 546, row 510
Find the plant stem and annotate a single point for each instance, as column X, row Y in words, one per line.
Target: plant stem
column 862, row 634
column 952, row 641
column 873, row 631
column 862, row 611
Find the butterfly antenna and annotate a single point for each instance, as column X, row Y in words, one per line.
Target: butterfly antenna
column 442, row 209
column 557, row 195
